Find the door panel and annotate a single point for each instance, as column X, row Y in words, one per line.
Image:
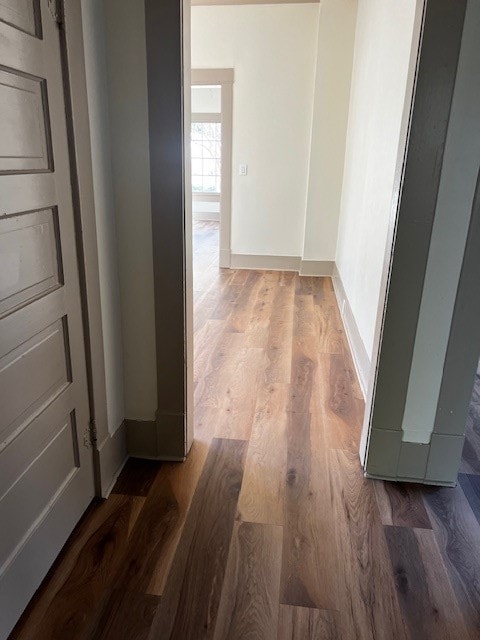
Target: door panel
column 24, row 128
column 46, row 466
column 23, row 14
column 30, row 264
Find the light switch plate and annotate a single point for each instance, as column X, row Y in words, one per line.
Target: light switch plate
column 243, row 169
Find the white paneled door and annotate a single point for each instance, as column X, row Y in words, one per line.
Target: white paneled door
column 46, row 468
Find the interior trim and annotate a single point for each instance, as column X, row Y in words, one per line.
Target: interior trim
column 360, row 356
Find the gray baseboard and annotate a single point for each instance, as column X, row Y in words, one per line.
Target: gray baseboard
column 359, row 353
column 152, row 440
column 112, row 454
column 317, row 267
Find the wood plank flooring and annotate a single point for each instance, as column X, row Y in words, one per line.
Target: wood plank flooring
column 269, row 530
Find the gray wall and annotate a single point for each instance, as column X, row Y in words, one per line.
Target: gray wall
column 128, row 109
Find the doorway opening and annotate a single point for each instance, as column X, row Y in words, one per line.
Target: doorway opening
column 211, row 156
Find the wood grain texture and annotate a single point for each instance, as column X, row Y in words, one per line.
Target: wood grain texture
column 364, row 562
column 300, row 623
column 126, row 616
column 271, row 530
column 471, row 488
column 425, row 616
column 189, row 605
column 440, row 588
column 71, row 600
column 250, row 595
column 262, row 497
column 458, row 536
column 137, row 477
column 309, row 569
column 471, row 450
column 401, row 504
column 342, row 410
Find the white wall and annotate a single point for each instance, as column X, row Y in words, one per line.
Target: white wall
column 206, row 99
column 380, row 70
column 336, row 38
column 273, row 51
column 96, row 71
column 127, row 89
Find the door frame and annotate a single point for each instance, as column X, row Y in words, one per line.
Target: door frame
column 225, row 79
column 109, row 452
column 392, row 225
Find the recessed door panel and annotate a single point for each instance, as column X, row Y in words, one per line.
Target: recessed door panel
column 26, row 500
column 22, row 14
column 30, row 264
column 31, row 376
column 24, row 130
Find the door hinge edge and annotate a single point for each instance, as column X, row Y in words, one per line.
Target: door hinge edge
column 90, row 435
column 56, row 9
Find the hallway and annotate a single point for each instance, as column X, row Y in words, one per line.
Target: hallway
column 269, row 529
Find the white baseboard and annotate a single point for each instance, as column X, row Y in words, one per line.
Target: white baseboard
column 224, row 259
column 360, row 356
column 316, row 267
column 282, row 263
column 270, row 263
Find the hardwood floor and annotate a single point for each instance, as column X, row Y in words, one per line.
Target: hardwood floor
column 269, row 530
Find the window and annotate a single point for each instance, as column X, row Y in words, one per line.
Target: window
column 206, row 157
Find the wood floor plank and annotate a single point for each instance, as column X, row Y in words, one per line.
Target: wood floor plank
column 262, row 497
column 425, row 616
column 329, row 327
column 401, row 504
column 280, row 334
column 309, row 563
column 126, row 616
column 258, row 326
column 301, row 623
column 182, row 479
column 458, row 535
column 440, row 587
column 211, row 382
column 206, row 344
column 471, row 488
column 342, row 411
column 69, row 602
column 242, row 375
column 367, row 596
column 152, row 531
column 188, row 608
column 137, row 477
column 304, row 354
column 249, row 602
column 471, row 450
column 244, row 304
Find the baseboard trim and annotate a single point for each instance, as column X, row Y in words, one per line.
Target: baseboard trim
column 261, row 262
column 112, row 455
column 317, row 268
column 281, row 263
column 224, row 259
column 359, row 353
column 152, row 440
